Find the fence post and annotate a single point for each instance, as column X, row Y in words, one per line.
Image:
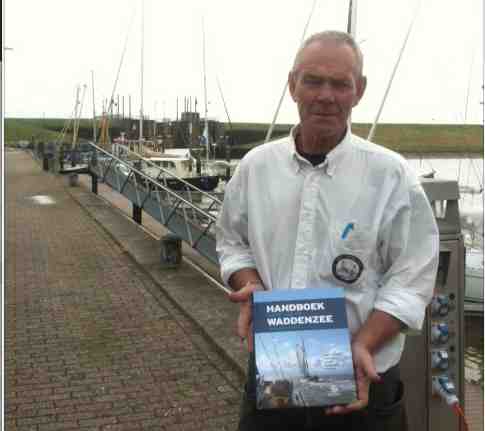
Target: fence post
column 94, row 183
column 170, row 251
column 137, row 213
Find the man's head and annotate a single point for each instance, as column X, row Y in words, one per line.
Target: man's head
column 326, row 82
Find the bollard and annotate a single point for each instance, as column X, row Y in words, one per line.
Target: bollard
column 94, row 182
column 45, row 162
column 73, row 180
column 170, row 251
column 137, row 213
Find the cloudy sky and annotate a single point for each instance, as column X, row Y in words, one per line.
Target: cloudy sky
column 249, row 48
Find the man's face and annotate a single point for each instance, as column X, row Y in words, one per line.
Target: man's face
column 326, row 86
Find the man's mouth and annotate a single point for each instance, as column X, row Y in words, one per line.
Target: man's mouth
column 324, row 114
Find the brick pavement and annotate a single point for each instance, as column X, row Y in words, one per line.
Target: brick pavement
column 202, row 302
column 88, row 343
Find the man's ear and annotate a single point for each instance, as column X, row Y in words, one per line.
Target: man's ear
column 292, row 84
column 361, row 86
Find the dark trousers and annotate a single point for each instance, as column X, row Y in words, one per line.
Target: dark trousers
column 385, row 411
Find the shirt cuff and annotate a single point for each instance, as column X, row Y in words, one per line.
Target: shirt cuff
column 407, row 306
column 234, row 263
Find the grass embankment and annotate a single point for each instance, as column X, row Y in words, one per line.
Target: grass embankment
column 404, row 138
column 41, row 129
column 426, row 138
column 19, row 129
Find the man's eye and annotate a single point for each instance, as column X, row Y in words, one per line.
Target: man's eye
column 311, row 80
column 341, row 84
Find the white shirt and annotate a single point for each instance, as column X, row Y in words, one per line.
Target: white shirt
column 362, row 209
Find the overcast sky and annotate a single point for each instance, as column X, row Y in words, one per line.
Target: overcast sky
column 250, row 46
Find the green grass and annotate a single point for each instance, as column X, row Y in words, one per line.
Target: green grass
column 19, row 129
column 404, row 138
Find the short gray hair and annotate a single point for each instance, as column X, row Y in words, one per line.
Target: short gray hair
column 334, row 36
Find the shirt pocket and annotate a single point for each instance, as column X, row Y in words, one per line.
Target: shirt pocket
column 348, row 254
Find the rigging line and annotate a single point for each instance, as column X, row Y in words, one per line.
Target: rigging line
column 278, row 361
column 271, row 127
column 464, row 120
column 275, row 370
column 224, row 103
column 206, row 121
column 372, row 130
column 67, row 124
column 466, row 116
column 459, row 160
column 352, row 19
column 110, row 107
column 477, row 174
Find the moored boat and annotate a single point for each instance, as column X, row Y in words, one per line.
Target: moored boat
column 183, row 169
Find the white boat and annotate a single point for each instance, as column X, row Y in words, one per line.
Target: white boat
column 183, row 166
column 474, row 275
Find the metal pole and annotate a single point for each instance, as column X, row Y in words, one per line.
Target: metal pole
column 373, row 128
column 206, row 123
column 271, row 127
column 141, row 71
column 94, row 108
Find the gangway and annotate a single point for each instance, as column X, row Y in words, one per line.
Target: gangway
column 190, row 213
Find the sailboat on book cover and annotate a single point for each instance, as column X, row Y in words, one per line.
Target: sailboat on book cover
column 302, row 348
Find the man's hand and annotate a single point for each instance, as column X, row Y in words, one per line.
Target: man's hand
column 244, row 321
column 365, row 372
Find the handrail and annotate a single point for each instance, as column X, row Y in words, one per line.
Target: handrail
column 164, row 187
column 171, row 174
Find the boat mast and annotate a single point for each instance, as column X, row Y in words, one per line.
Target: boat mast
column 271, row 127
column 352, row 18
column 94, row 108
column 76, row 107
column 141, row 71
column 372, row 130
column 352, row 30
column 206, row 121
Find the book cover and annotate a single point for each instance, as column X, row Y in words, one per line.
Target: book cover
column 302, row 348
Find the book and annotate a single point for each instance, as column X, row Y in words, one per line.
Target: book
column 302, row 348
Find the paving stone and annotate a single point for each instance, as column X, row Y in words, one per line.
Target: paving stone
column 88, row 345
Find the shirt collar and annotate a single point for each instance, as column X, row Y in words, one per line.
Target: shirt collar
column 332, row 161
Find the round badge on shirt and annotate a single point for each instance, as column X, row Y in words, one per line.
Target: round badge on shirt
column 347, row 268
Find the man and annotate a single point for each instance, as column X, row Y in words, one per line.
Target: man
column 324, row 204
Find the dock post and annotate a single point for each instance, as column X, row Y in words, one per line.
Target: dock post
column 170, row 251
column 94, row 183
column 73, row 180
column 137, row 213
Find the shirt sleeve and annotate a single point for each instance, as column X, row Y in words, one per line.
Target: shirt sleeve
column 410, row 253
column 232, row 243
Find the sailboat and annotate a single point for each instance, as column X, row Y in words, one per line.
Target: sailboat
column 177, row 167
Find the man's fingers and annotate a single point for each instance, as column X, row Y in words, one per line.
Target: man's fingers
column 243, row 294
column 364, row 362
column 250, row 338
column 349, row 408
column 244, row 319
column 367, row 370
column 239, row 296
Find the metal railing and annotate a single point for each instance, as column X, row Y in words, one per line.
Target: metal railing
column 189, row 212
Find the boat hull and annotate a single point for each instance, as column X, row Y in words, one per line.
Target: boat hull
column 207, row 183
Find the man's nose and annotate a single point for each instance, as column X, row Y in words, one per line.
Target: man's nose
column 326, row 92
